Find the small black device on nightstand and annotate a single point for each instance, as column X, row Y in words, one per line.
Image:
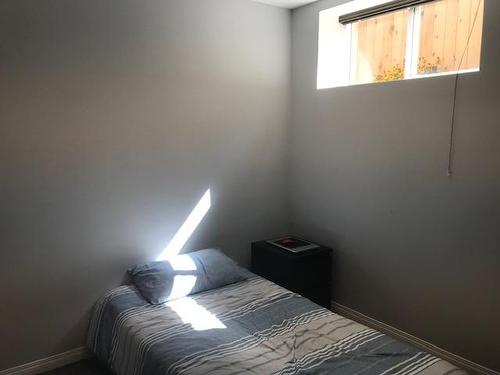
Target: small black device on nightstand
column 306, row 272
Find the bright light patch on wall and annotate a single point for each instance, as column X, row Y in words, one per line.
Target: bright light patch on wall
column 187, row 229
column 192, row 313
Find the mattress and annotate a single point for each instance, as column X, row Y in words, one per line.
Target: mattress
column 251, row 327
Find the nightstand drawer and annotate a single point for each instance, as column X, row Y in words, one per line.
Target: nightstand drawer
column 294, row 275
column 308, row 272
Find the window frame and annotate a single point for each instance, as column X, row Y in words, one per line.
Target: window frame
column 412, row 55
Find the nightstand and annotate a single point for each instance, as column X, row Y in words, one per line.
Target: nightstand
column 307, row 273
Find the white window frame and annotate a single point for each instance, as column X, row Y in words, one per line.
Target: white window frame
column 411, row 57
column 412, row 47
column 413, row 42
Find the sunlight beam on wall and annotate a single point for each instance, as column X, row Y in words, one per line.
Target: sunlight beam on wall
column 187, row 229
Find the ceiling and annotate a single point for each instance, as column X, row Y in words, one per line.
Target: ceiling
column 290, row 4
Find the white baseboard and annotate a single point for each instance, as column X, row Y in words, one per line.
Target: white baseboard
column 49, row 363
column 463, row 363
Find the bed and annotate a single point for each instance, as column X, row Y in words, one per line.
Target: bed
column 250, row 327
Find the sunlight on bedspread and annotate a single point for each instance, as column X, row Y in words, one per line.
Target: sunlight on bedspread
column 192, row 313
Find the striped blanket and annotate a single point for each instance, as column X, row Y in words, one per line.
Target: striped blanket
column 252, row 327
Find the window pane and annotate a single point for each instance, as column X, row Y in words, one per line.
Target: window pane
column 379, row 48
column 445, row 27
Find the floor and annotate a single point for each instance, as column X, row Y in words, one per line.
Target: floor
column 89, row 366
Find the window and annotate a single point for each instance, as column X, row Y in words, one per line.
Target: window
column 378, row 48
column 432, row 38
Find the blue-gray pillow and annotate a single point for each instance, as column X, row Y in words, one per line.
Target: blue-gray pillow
column 185, row 274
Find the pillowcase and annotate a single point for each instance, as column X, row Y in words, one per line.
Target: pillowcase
column 185, row 274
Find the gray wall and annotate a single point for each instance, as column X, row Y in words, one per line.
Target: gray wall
column 414, row 248
column 115, row 117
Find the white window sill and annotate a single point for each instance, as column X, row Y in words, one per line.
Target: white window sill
column 465, row 71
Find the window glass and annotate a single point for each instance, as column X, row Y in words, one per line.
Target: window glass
column 379, row 48
column 438, row 37
column 445, row 28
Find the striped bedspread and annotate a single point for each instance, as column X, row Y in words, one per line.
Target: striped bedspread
column 252, row 327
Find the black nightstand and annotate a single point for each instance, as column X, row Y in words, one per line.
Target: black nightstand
column 307, row 273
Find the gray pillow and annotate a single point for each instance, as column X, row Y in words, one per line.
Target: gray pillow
column 185, row 274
